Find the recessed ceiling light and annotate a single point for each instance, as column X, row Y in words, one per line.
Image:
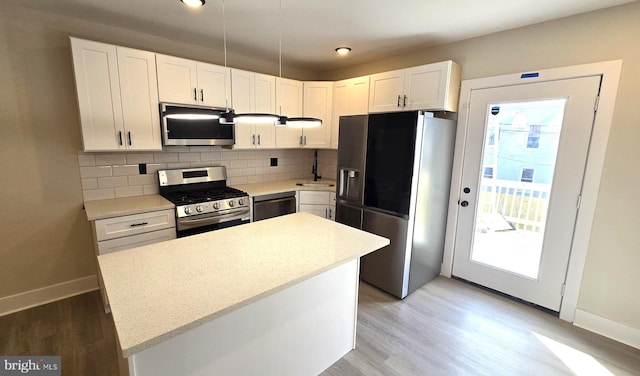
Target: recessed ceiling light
column 193, row 3
column 343, row 50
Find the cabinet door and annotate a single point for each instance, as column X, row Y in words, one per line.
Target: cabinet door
column 177, row 80
column 214, row 85
column 265, row 100
column 243, row 99
column 139, row 92
column 428, row 87
column 386, row 91
column 319, row 210
column 289, row 103
column 96, row 73
column 359, row 96
column 318, row 103
column 340, row 107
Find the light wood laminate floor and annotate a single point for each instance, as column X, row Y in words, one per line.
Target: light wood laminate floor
column 445, row 328
column 449, row 327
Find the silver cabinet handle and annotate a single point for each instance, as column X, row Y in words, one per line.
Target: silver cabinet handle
column 398, row 101
column 195, row 94
column 404, row 102
column 254, row 139
column 301, row 141
column 139, row 224
column 202, row 95
column 258, row 139
column 120, row 137
column 129, row 137
column 330, row 213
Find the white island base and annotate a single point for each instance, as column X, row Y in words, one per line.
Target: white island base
column 301, row 330
column 273, row 297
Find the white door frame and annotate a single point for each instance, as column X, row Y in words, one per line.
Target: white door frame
column 610, row 71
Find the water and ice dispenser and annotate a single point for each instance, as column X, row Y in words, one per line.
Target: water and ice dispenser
column 349, row 184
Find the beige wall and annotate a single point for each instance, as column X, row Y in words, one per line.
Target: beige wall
column 46, row 239
column 611, row 276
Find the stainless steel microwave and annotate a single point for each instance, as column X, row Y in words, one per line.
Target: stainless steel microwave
column 194, row 125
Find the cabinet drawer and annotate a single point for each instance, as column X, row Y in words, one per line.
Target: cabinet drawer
column 315, row 197
column 120, row 244
column 116, row 227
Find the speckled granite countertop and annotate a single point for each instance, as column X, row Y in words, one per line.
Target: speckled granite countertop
column 161, row 290
column 115, row 207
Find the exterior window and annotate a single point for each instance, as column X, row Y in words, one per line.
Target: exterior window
column 488, row 172
column 491, row 140
column 533, row 141
column 527, row 175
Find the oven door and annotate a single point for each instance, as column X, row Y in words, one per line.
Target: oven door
column 198, row 224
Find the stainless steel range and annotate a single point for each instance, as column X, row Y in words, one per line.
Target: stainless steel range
column 203, row 200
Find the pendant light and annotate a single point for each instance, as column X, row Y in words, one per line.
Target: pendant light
column 294, row 122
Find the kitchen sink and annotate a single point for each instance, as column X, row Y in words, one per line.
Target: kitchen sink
column 314, row 184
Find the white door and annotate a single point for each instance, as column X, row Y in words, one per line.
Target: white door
column 214, row 85
column 523, row 169
column 177, row 80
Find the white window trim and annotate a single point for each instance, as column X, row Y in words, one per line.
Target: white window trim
column 610, row 72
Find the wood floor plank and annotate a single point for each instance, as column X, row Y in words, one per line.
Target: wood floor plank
column 445, row 328
column 451, row 328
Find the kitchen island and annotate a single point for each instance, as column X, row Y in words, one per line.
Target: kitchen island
column 274, row 297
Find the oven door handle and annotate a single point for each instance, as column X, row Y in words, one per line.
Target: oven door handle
column 184, row 224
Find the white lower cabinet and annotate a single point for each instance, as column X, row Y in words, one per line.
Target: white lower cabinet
column 320, row 203
column 130, row 231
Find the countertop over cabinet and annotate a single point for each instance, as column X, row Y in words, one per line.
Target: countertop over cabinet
column 266, row 188
column 114, row 207
column 190, row 281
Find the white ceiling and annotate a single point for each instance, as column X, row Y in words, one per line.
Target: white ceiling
column 311, row 29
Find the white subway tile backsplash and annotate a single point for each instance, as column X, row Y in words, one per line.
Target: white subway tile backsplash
column 95, row 172
column 165, row 157
column 110, row 159
column 113, row 181
column 189, row 157
column 142, row 179
column 125, row 170
column 110, row 175
column 89, row 183
column 129, row 191
column 86, row 160
column 137, row 158
column 98, row 194
column 210, row 156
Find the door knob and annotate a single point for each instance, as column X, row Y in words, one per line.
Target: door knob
column 464, row 204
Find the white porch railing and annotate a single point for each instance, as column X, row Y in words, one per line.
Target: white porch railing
column 522, row 204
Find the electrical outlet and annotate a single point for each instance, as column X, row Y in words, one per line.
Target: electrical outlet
column 274, row 161
column 142, row 168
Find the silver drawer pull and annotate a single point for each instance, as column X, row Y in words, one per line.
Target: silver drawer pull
column 139, row 224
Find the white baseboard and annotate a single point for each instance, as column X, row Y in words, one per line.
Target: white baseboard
column 610, row 329
column 33, row 298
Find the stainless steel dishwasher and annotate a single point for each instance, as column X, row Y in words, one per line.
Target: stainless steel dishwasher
column 273, row 205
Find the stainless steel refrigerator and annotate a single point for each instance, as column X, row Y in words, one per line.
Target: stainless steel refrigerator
column 394, row 174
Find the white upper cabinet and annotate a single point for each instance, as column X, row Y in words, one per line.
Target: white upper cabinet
column 191, row 82
column 289, row 103
column 434, row 87
column 318, row 103
column 117, row 97
column 350, row 97
column 308, row 99
column 253, row 93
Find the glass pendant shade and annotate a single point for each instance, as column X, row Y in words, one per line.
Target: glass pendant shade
column 256, row 118
column 303, row 122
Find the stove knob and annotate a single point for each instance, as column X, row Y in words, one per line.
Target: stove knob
column 216, row 205
column 199, row 209
column 188, row 210
column 232, row 203
column 241, row 201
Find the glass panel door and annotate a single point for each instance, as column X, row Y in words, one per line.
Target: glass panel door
column 521, row 146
